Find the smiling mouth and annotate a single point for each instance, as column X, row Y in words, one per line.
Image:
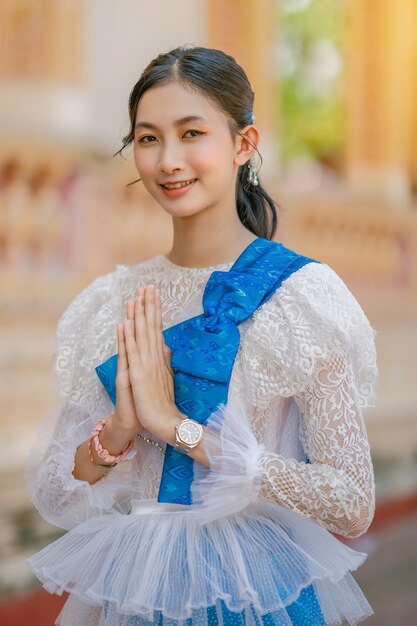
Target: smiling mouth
column 179, row 184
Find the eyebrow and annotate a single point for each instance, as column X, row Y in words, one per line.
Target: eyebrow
column 182, row 120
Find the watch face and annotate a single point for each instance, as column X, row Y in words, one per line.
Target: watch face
column 189, row 432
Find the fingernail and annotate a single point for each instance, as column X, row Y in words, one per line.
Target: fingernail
column 157, row 292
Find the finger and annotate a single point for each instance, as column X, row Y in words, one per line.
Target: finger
column 167, row 356
column 150, row 317
column 122, row 362
column 141, row 332
column 164, row 351
column 158, row 326
column 160, row 343
column 131, row 314
column 132, row 352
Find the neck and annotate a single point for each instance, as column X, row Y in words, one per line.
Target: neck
column 202, row 243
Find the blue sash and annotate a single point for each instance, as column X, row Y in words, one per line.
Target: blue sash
column 204, row 349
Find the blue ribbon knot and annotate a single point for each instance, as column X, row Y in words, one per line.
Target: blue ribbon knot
column 204, row 347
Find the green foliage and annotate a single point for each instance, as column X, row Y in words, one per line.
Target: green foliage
column 312, row 110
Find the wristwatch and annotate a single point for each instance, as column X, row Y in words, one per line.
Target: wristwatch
column 188, row 435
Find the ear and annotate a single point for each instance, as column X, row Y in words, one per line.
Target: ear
column 246, row 141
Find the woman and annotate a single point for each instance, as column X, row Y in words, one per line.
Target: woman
column 200, row 470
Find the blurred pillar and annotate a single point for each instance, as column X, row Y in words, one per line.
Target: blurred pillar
column 248, row 31
column 413, row 155
column 64, row 46
column 381, row 96
column 41, row 39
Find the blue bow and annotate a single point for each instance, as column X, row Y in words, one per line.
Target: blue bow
column 204, row 347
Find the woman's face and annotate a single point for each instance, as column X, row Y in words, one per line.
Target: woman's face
column 181, row 137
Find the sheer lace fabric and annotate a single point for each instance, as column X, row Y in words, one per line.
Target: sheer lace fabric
column 304, row 371
column 337, row 488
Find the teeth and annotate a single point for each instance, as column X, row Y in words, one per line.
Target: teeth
column 178, row 185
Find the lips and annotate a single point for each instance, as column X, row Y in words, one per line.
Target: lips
column 179, row 188
column 178, row 184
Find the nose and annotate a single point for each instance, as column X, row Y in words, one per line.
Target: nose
column 170, row 158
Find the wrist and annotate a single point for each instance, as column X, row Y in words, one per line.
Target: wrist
column 115, row 438
column 170, row 421
column 117, row 425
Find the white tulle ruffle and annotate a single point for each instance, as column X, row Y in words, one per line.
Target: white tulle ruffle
column 166, row 563
column 160, row 558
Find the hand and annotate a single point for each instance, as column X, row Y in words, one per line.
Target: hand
column 149, row 358
column 125, row 418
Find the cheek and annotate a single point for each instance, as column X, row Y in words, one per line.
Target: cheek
column 210, row 156
column 143, row 161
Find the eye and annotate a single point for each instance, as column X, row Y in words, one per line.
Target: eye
column 142, row 139
column 152, row 138
column 197, row 132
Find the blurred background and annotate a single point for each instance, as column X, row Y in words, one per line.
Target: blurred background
column 336, row 105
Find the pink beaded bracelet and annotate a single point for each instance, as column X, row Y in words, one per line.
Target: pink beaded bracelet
column 102, row 452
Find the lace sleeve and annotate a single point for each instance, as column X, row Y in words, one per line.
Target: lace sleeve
column 336, row 488
column 329, row 366
column 86, row 335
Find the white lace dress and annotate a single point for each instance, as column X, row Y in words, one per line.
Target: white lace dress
column 293, row 449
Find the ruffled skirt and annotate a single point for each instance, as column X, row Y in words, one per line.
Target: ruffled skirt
column 160, row 565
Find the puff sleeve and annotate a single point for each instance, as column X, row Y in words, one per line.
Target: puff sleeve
column 86, row 334
column 323, row 351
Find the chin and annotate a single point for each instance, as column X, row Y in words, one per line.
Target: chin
column 181, row 211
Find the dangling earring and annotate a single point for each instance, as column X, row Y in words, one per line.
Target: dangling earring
column 252, row 175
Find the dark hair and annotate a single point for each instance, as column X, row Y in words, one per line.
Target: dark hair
column 218, row 77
